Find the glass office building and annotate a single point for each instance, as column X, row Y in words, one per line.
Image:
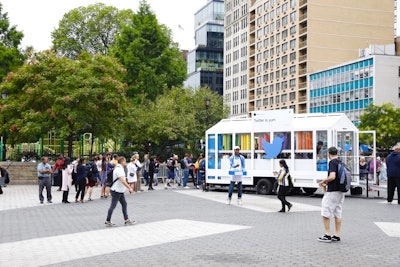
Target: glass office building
column 205, row 62
column 351, row 87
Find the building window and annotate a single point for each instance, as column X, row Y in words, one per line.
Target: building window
column 292, row 69
column 265, row 102
column 265, row 90
column 284, row 59
column 292, row 82
column 293, row 56
column 293, row 30
column 293, row 43
column 292, row 96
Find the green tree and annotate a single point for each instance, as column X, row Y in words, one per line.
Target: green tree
column 153, row 61
column 179, row 116
column 68, row 96
column 91, row 29
column 10, row 39
column 384, row 119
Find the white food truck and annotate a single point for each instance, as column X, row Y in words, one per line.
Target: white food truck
column 269, row 136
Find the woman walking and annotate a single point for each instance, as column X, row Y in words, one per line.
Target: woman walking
column 284, row 181
column 81, row 179
column 132, row 177
column 66, row 184
column 151, row 173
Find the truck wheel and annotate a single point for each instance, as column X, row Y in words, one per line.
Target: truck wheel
column 309, row 190
column 264, row 187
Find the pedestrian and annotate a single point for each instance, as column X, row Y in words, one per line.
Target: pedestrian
column 81, row 179
column 383, row 171
column 191, row 168
column 6, row 179
column 284, row 183
column 200, row 170
column 151, row 173
column 393, row 174
column 106, row 167
column 44, row 176
column 74, row 165
column 373, row 170
column 156, row 170
column 117, row 192
column 66, row 179
column 146, row 162
column 138, row 171
column 363, row 168
column 237, row 168
column 176, row 170
column 57, row 171
column 132, row 177
column 91, row 175
column 333, row 199
column 185, row 169
column 170, row 171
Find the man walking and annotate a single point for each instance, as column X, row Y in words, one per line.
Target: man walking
column 393, row 174
column 44, row 173
column 333, row 199
column 237, row 163
column 117, row 192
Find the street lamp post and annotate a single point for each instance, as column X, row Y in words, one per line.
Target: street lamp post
column 207, row 107
column 4, row 95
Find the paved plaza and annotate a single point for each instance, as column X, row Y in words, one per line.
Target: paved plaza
column 188, row 227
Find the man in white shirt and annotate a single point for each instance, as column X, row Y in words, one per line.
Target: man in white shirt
column 118, row 188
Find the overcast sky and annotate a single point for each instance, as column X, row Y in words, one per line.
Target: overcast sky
column 38, row 18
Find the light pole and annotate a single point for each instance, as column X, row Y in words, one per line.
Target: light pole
column 208, row 100
column 4, row 95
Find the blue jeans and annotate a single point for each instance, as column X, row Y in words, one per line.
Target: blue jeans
column 199, row 178
column 240, row 189
column 185, row 176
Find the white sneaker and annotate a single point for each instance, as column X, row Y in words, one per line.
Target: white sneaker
column 239, row 202
column 187, row 187
column 228, row 201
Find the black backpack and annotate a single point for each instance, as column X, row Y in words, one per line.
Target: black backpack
column 183, row 164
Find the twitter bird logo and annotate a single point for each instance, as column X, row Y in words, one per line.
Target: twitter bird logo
column 272, row 150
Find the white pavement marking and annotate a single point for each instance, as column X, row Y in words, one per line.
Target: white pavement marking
column 391, row 229
column 252, row 202
column 57, row 249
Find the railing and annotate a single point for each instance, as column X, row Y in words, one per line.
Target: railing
column 302, row 71
column 303, row 30
column 303, row 16
column 302, row 2
column 302, row 57
column 302, row 98
column 303, row 44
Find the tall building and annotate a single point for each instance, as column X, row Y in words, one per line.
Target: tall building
column 351, row 86
column 236, row 57
column 290, row 38
column 205, row 62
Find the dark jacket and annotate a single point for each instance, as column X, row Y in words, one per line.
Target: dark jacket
column 80, row 172
column 393, row 164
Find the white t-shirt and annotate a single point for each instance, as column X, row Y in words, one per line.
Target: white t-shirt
column 131, row 172
column 118, row 173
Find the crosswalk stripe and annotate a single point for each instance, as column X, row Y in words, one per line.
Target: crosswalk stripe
column 391, row 229
column 252, row 202
column 63, row 248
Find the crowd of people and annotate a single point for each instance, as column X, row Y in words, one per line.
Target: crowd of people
column 84, row 175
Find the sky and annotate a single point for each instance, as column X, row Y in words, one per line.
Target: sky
column 38, row 18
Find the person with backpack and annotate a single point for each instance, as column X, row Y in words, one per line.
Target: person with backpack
column 118, row 188
column 333, row 199
column 91, row 174
column 284, row 183
column 106, row 168
column 4, row 174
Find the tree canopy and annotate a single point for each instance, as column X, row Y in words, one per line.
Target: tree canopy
column 384, row 119
column 70, row 96
column 153, row 61
column 10, row 39
column 179, row 116
column 91, row 29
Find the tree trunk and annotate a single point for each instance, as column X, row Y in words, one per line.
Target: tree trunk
column 70, row 140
